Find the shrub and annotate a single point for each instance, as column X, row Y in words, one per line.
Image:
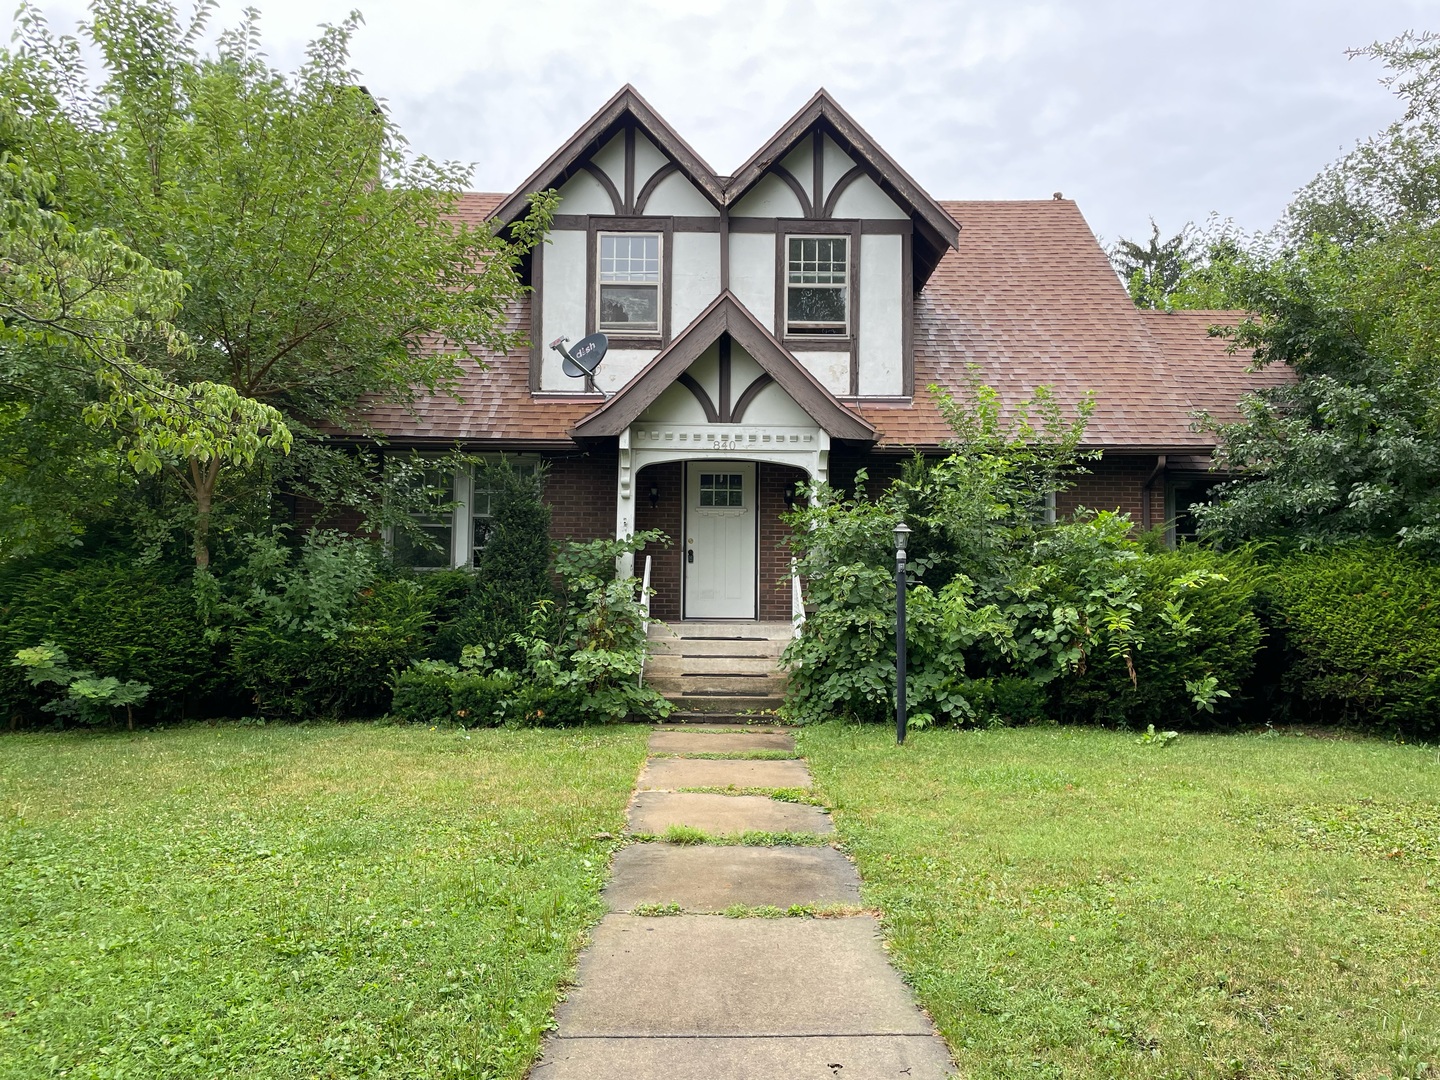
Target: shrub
column 1221, row 640
column 133, row 623
column 439, row 693
column 1360, row 631
column 345, row 671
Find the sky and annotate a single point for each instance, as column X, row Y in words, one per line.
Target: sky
column 1136, row 110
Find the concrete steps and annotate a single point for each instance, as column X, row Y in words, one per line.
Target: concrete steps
column 727, row 668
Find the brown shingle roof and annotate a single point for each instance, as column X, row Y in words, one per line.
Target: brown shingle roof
column 1028, row 297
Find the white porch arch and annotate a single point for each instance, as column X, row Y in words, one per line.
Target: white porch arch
column 806, row 448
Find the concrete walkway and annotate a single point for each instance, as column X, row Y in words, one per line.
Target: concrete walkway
column 705, row 996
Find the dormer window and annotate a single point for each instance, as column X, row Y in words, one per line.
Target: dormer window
column 817, row 280
column 629, row 280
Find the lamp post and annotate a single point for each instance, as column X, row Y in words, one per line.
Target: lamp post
column 902, row 535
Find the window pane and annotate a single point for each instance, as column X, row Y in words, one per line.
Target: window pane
column 818, row 260
column 630, row 257
column 430, row 549
column 816, row 306
column 635, row 306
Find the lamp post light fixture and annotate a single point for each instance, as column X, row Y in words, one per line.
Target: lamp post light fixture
column 902, row 537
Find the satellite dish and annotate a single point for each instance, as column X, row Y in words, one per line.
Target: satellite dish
column 581, row 361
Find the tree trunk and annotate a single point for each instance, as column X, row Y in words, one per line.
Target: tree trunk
column 202, row 486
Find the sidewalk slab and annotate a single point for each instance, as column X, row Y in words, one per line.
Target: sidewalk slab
column 706, row 975
column 669, row 774
column 724, row 815
column 702, row 879
column 884, row 1057
column 720, row 742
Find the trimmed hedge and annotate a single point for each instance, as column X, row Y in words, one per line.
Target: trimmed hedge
column 120, row 619
column 1359, row 631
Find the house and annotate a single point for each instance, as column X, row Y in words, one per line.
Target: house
column 783, row 325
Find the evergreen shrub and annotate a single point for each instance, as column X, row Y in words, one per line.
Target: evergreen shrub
column 1359, row 636
column 123, row 620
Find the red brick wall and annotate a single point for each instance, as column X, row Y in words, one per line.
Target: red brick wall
column 1114, row 483
column 668, row 518
column 580, row 490
column 880, row 468
column 774, row 556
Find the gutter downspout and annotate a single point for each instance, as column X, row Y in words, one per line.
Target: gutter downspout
column 1159, row 470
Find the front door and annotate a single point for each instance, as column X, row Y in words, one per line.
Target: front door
column 720, row 518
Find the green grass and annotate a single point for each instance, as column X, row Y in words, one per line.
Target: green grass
column 688, row 835
column 1068, row 903
column 319, row 901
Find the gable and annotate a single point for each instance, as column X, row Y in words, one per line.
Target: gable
column 727, row 323
column 623, row 147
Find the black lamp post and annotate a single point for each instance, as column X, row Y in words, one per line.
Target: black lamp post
column 902, row 535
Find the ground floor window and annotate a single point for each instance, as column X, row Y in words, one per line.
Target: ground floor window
column 1181, row 499
column 452, row 531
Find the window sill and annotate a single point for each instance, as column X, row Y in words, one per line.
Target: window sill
column 793, row 340
column 621, row 341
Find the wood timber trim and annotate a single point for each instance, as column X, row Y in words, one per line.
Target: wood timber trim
column 609, row 185
column 648, row 188
column 851, row 175
column 626, row 105
column 692, row 384
column 806, row 206
column 725, row 315
column 749, row 394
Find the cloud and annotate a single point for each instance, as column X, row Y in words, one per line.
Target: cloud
column 1132, row 108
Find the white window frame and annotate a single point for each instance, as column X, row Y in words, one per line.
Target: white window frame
column 462, row 513
column 629, row 329
column 819, row 331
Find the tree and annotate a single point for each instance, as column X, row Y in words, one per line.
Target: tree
column 322, row 261
column 74, row 305
column 1197, row 268
column 1352, row 303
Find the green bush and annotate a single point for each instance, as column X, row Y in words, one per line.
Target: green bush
column 133, row 623
column 1360, row 634
column 1223, row 641
column 434, row 692
column 309, row 673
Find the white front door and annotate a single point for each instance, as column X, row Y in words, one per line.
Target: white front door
column 720, row 517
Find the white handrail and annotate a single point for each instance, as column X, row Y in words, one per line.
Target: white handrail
column 645, row 620
column 797, row 600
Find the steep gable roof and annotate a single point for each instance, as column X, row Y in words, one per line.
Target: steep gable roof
column 626, row 107
column 934, row 225
column 725, row 315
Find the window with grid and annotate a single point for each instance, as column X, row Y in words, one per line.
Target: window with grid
column 629, row 281
column 817, row 294
column 429, row 543
column 722, row 489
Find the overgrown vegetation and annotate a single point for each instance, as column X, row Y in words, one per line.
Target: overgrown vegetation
column 298, row 901
column 1067, row 903
column 1010, row 618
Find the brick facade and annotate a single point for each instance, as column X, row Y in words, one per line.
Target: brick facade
column 580, row 491
column 1115, row 483
column 773, row 566
column 668, row 517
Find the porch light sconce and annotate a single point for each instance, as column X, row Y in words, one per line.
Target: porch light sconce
column 654, row 495
column 792, row 495
column 902, row 537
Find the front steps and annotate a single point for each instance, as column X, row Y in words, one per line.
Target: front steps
column 714, row 669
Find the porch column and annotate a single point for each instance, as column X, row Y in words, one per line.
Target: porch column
column 625, row 506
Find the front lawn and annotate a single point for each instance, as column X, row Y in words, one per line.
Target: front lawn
column 1068, row 903
column 332, row 901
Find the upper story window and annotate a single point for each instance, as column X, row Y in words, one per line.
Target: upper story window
column 817, row 285
column 629, row 293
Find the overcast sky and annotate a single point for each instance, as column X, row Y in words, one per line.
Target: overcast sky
column 1133, row 109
